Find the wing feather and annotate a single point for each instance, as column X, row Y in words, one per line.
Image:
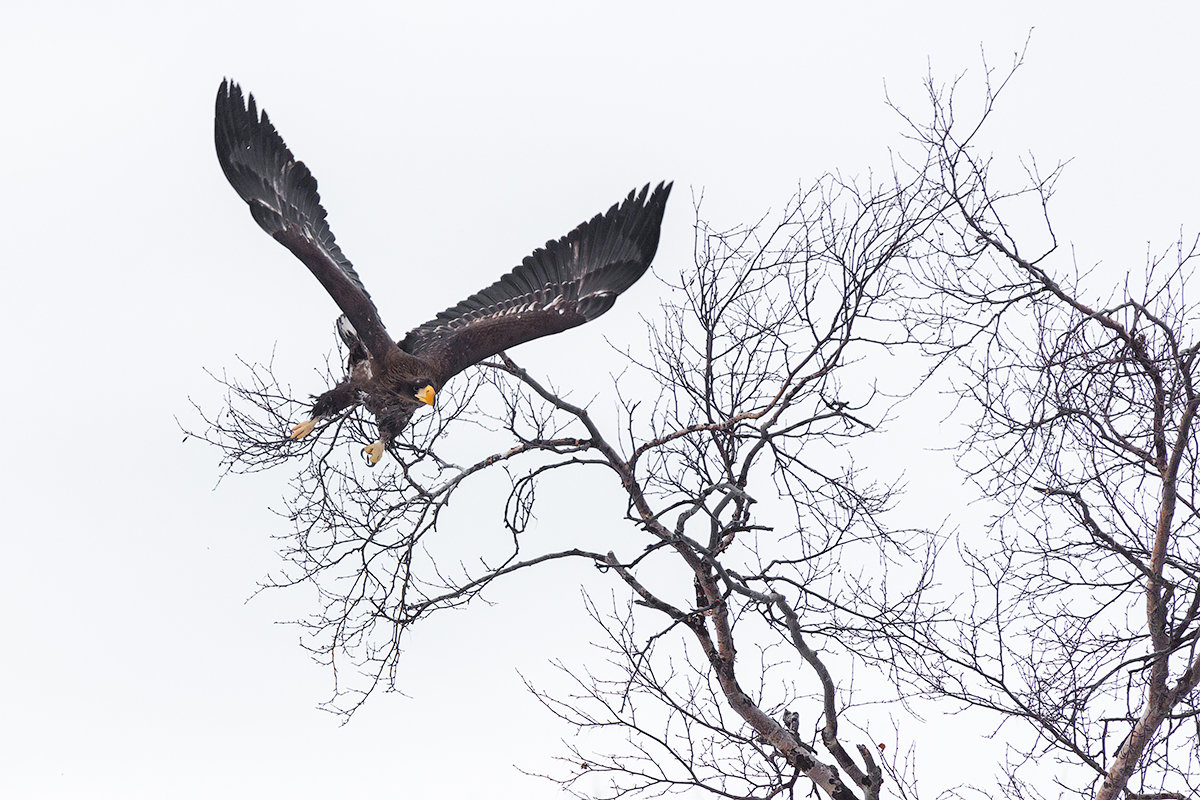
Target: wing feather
column 283, row 199
column 566, row 283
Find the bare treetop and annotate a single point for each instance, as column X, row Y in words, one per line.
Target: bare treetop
column 758, row 568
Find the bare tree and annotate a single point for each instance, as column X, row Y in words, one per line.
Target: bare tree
column 759, row 570
column 756, row 532
column 1085, row 609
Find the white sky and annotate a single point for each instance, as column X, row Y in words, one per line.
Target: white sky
column 449, row 140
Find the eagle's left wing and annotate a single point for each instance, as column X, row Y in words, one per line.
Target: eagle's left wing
column 283, row 200
column 566, row 283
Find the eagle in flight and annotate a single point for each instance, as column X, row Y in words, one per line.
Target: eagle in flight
column 566, row 283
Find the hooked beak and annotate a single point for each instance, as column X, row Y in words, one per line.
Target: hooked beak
column 425, row 395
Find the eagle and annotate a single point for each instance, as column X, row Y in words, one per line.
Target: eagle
column 568, row 282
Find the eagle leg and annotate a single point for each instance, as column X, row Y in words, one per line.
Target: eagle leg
column 328, row 404
column 374, row 452
column 304, row 428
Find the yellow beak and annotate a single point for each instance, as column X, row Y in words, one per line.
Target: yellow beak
column 425, row 395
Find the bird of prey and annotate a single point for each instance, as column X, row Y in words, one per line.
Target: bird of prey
column 568, row 282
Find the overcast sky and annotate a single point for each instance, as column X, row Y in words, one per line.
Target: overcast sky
column 449, row 140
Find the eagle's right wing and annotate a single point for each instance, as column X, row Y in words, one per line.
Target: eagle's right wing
column 283, row 200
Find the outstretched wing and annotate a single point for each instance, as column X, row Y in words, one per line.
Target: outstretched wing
column 283, row 200
column 564, row 284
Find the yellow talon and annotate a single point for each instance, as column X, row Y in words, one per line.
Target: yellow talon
column 304, row 428
column 374, row 452
column 425, row 395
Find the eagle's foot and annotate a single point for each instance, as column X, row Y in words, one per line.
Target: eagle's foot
column 374, row 452
column 304, row 428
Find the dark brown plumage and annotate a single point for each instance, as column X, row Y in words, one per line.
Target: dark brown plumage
column 564, row 284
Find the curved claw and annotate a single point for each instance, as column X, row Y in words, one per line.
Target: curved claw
column 304, row 428
column 374, row 452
